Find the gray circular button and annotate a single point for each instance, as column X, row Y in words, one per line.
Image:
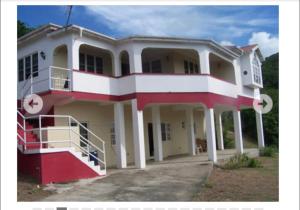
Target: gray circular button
column 264, row 104
column 33, row 104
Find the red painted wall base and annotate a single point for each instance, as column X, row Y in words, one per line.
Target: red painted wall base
column 54, row 167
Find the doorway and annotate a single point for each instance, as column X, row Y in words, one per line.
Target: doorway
column 150, row 138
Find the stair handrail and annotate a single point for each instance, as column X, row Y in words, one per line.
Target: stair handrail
column 29, row 79
column 88, row 130
column 22, row 127
column 70, row 119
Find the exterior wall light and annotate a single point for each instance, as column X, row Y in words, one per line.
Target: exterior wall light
column 43, row 55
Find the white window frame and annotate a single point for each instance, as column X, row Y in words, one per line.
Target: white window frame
column 256, row 70
column 194, row 64
column 95, row 66
column 31, row 66
column 167, row 131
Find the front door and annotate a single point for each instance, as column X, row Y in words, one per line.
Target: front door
column 150, row 137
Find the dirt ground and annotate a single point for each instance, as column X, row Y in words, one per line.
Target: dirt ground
column 30, row 190
column 246, row 184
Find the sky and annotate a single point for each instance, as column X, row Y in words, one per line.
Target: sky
column 228, row 25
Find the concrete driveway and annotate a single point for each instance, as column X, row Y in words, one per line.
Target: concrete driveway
column 174, row 179
column 170, row 181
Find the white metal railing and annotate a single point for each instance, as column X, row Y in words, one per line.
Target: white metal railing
column 59, row 78
column 92, row 146
column 49, row 78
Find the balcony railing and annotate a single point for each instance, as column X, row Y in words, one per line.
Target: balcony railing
column 57, row 78
column 50, row 78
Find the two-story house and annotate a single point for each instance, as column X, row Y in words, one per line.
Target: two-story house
column 113, row 102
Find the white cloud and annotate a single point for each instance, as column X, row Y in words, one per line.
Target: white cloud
column 268, row 44
column 186, row 21
column 226, row 43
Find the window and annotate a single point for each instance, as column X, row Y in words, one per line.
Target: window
column 27, row 66
column 152, row 66
column 256, row 70
column 156, row 66
column 146, row 67
column 81, row 62
column 196, row 68
column 74, row 124
column 186, row 67
column 21, row 70
column 165, row 131
column 35, row 65
column 99, row 65
column 125, row 68
column 83, row 134
column 90, row 64
column 113, row 135
column 190, row 67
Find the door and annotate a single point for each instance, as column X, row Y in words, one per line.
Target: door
column 150, row 138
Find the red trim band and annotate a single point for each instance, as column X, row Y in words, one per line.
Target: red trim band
column 144, row 99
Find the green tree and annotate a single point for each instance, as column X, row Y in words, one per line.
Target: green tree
column 23, row 28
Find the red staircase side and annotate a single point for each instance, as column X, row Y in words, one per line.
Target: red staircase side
column 54, row 167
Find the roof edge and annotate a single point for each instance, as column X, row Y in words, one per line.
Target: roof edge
column 38, row 31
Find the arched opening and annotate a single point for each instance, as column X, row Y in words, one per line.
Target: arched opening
column 125, row 66
column 59, row 74
column 170, row 61
column 60, row 56
column 221, row 68
column 95, row 60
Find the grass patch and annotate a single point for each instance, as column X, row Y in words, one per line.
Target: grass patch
column 241, row 161
column 246, row 184
column 268, row 152
column 208, row 185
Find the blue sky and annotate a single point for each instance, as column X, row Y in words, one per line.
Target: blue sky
column 238, row 25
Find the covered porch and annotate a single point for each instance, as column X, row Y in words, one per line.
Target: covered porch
column 150, row 133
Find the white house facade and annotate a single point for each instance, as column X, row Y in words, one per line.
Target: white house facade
column 114, row 102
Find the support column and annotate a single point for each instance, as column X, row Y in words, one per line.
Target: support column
column 135, row 60
column 117, row 65
column 138, row 135
column 190, row 131
column 204, row 61
column 260, row 130
column 238, row 131
column 120, row 135
column 219, row 130
column 73, row 59
column 158, row 149
column 210, row 134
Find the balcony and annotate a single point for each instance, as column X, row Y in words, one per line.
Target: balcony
column 159, row 70
column 61, row 79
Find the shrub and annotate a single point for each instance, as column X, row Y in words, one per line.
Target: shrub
column 268, row 152
column 241, row 161
column 228, row 142
column 254, row 163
